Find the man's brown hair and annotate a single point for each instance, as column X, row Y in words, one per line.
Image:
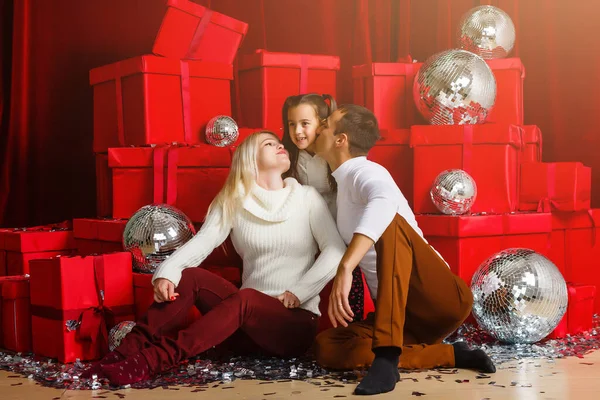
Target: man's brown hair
column 361, row 127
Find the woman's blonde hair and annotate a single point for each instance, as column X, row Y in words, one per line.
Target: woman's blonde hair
column 242, row 175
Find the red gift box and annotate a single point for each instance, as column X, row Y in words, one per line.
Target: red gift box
column 393, row 151
column 580, row 311
column 465, row 242
column 386, row 89
column 266, row 79
column 103, row 186
column 16, row 317
column 490, row 153
column 509, row 74
column 24, row 244
column 187, row 177
column 76, row 300
column 191, row 31
column 149, row 100
column 98, row 235
column 575, row 248
column 564, row 186
column 532, row 144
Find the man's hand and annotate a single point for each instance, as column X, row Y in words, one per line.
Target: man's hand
column 164, row 290
column 339, row 309
column 289, row 299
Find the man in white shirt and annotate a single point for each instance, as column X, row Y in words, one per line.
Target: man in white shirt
column 419, row 301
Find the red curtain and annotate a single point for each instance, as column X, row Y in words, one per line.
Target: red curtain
column 46, row 161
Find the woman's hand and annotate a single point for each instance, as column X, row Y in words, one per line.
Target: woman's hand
column 339, row 310
column 164, row 290
column 289, row 299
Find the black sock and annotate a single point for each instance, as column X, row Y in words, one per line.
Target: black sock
column 383, row 374
column 472, row 359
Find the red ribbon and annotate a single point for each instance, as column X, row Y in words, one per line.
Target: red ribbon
column 547, row 203
column 303, row 74
column 94, row 320
column 119, row 94
column 467, row 149
column 171, row 154
column 159, row 174
column 186, row 102
column 172, row 161
column 199, row 33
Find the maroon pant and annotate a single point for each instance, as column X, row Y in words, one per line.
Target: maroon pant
column 245, row 320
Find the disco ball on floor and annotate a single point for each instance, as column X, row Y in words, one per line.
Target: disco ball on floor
column 453, row 192
column 454, row 87
column 519, row 296
column 153, row 233
column 487, row 31
column 118, row 332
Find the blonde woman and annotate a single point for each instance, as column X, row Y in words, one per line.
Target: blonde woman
column 277, row 226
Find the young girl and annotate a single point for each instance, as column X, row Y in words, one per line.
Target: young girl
column 302, row 115
column 277, row 227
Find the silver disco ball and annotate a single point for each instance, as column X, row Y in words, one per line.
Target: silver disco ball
column 153, row 233
column 454, row 87
column 453, row 192
column 118, row 332
column 519, row 296
column 221, row 131
column 487, row 31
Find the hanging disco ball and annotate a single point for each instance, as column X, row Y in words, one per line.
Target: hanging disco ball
column 454, row 87
column 118, row 332
column 519, row 296
column 487, row 31
column 453, row 192
column 153, row 233
column 221, row 131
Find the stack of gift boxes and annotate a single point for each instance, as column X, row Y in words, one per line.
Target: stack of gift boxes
column 521, row 201
column 150, row 113
column 63, row 287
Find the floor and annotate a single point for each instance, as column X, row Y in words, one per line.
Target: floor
column 569, row 378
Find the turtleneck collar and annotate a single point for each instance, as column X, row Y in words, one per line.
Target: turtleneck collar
column 273, row 205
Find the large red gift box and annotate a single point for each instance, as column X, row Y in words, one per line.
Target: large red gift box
column 386, row 89
column 532, row 144
column 150, row 100
column 580, row 311
column 15, row 320
column 575, row 247
column 191, row 31
column 393, row 151
column 266, row 79
column 490, row 153
column 98, row 235
column 187, row 177
column 24, row 244
column 564, row 186
column 509, row 74
column 465, row 242
column 76, row 300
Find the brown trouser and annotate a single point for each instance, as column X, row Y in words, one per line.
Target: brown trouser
column 419, row 303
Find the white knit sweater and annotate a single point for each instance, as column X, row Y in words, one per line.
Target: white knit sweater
column 277, row 233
